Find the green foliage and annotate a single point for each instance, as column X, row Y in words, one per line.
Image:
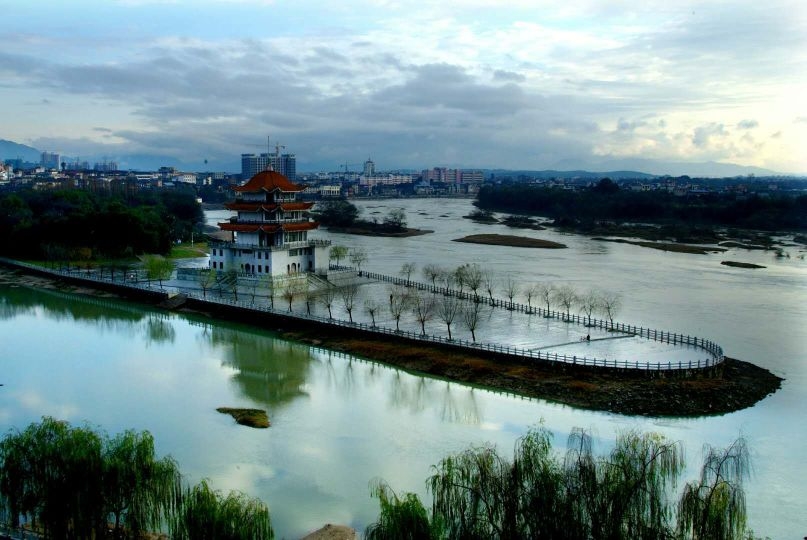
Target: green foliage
column 714, row 507
column 104, row 225
column 208, row 515
column 158, row 267
column 605, row 201
column 338, row 253
column 140, row 490
column 625, row 495
column 69, row 479
column 337, row 213
column 400, row 519
column 478, row 494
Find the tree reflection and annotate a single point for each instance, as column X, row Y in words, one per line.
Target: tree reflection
column 269, row 370
column 159, row 329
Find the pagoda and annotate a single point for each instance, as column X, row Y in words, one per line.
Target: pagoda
column 270, row 232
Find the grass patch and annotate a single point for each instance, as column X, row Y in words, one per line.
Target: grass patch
column 188, row 251
column 255, row 418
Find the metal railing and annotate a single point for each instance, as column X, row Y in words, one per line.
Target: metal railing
column 714, row 350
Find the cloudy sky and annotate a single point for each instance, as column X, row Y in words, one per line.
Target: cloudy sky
column 521, row 84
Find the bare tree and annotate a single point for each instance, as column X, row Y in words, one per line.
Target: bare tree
column 371, row 307
column 488, row 282
column 566, row 297
column 398, row 302
column 407, row 269
column 471, row 316
column 546, row 292
column 310, row 294
column 589, row 303
column 531, row 291
column 290, row 289
column 206, row 280
column 423, row 308
column 473, row 278
column 348, row 294
column 510, row 288
column 269, row 283
column 358, row 256
column 327, row 298
column 611, row 303
column 230, row 280
column 431, row 272
column 447, row 310
column 460, row 276
column 447, row 278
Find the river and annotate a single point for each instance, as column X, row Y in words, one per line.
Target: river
column 339, row 423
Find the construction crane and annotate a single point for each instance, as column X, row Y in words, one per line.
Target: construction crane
column 268, row 146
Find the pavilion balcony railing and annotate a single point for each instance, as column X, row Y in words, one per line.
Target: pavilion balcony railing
column 311, row 242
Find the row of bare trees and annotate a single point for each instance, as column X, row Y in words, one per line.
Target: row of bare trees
column 424, row 307
column 474, row 278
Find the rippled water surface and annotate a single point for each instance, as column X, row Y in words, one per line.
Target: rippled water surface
column 338, row 422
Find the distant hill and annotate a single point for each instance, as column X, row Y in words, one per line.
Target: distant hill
column 571, row 174
column 707, row 169
column 12, row 150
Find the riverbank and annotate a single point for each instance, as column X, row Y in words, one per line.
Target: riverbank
column 736, row 384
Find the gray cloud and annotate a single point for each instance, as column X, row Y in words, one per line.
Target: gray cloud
column 501, row 75
column 748, row 124
column 704, row 136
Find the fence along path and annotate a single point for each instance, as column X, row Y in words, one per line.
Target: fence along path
column 714, row 358
column 714, row 350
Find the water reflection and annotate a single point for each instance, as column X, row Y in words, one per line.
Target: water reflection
column 268, row 370
column 159, row 329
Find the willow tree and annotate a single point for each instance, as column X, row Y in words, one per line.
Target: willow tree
column 478, row 494
column 623, row 495
column 141, row 491
column 402, row 518
column 51, row 475
column 714, row 507
column 158, row 267
column 206, row 514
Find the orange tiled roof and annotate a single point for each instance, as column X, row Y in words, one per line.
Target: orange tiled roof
column 268, row 181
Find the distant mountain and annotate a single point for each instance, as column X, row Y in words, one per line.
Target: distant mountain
column 708, row 169
column 12, row 150
column 615, row 175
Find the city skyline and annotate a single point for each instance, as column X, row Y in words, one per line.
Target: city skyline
column 591, row 85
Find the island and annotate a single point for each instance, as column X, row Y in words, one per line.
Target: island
column 510, row 240
column 256, row 418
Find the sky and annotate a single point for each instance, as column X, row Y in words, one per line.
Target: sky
column 521, row 84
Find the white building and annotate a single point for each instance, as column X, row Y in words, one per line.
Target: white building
column 270, row 232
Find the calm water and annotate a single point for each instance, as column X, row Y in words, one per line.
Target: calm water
column 339, row 422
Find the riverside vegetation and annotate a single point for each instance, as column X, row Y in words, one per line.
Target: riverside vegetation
column 83, row 225
column 603, row 208
column 76, row 483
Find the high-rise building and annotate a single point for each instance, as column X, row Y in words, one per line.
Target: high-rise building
column 285, row 164
column 51, row 160
column 369, row 168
